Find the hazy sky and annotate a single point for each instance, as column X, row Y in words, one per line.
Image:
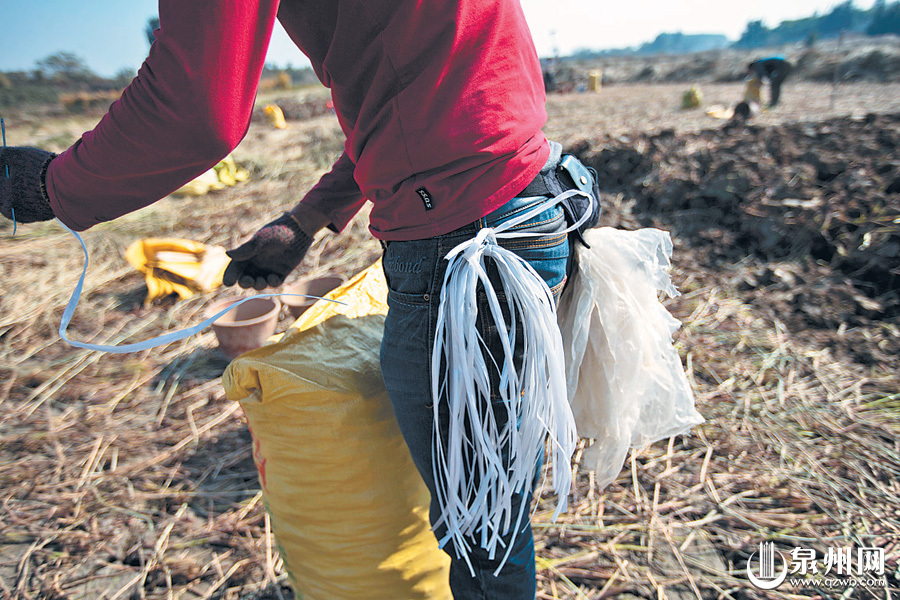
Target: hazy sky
column 109, row 34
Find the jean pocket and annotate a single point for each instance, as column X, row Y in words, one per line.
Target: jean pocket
column 400, row 298
column 409, row 271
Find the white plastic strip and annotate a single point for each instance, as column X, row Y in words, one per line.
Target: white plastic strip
column 486, row 463
column 166, row 338
column 11, row 209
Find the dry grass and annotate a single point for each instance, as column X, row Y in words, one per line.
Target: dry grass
column 131, row 476
column 798, row 448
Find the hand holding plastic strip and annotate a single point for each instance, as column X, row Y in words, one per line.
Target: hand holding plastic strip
column 167, row 338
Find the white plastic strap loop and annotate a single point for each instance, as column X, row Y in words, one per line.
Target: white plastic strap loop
column 474, row 481
column 166, row 338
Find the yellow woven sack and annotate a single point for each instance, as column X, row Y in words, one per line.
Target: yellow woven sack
column 177, row 266
column 753, row 91
column 229, row 173
column 692, row 98
column 348, row 508
column 225, row 173
column 201, row 185
column 275, row 115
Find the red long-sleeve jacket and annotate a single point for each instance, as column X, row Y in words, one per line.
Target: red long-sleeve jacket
column 441, row 102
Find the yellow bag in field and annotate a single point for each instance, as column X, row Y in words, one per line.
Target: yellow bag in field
column 692, row 98
column 348, row 508
column 753, row 91
column 177, row 266
column 275, row 115
column 225, row 173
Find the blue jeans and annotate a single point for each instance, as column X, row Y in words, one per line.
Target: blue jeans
column 415, row 272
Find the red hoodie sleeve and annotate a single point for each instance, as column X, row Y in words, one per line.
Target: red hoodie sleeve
column 188, row 107
column 337, row 194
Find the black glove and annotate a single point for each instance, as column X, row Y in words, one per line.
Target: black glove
column 23, row 192
column 269, row 256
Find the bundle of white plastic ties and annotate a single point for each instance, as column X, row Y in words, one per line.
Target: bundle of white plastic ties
column 477, row 476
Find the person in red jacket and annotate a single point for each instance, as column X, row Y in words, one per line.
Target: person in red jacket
column 442, row 105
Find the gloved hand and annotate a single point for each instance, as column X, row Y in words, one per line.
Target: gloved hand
column 24, row 191
column 269, row 256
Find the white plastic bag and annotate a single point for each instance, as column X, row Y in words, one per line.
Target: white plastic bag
column 625, row 380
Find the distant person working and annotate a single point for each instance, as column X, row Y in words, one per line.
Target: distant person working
column 775, row 70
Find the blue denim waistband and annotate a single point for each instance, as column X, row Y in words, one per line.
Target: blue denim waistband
column 514, row 206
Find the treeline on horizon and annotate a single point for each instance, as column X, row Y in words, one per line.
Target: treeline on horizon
column 845, row 18
column 64, row 79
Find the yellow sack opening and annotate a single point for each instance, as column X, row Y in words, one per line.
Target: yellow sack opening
column 348, row 508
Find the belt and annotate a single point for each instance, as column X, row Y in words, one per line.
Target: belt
column 547, row 183
column 555, row 179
